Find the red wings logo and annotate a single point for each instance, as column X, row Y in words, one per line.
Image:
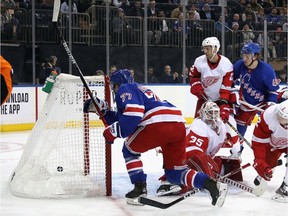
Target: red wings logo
column 209, row 80
column 280, row 142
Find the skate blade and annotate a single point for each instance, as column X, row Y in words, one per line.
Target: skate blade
column 280, row 198
column 175, row 190
column 134, row 201
column 223, row 189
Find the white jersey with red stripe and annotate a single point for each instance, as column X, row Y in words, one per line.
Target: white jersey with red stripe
column 214, row 77
column 139, row 106
column 200, row 137
column 269, row 131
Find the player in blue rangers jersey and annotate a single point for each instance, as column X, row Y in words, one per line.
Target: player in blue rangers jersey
column 258, row 85
column 147, row 122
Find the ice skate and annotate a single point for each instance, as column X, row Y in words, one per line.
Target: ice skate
column 167, row 189
column 138, row 191
column 218, row 191
column 281, row 193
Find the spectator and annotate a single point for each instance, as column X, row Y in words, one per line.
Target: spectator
column 249, row 11
column 138, row 77
column 154, row 30
column 207, row 14
column 218, row 25
column 152, row 9
column 261, row 16
column 124, row 4
column 271, row 49
column 196, row 30
column 165, row 28
column 122, row 30
column 273, row 18
column 9, row 25
column 194, row 8
column 151, row 77
column 234, row 40
column 65, row 7
column 177, row 11
column 47, row 68
column 282, row 75
column 169, row 77
column 247, row 34
column 92, row 13
column 268, row 5
column 112, row 69
column 250, row 21
column 178, row 28
column 137, row 10
column 8, row 4
column 279, row 39
column 255, row 6
column 99, row 73
column 236, row 18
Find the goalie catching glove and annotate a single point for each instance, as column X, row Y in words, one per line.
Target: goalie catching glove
column 263, row 169
column 89, row 106
column 112, row 132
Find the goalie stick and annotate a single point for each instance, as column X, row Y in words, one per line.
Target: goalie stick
column 158, row 204
column 56, row 10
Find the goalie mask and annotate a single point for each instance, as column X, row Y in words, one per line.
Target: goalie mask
column 210, row 114
column 282, row 114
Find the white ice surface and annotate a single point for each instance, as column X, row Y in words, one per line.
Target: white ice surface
column 237, row 202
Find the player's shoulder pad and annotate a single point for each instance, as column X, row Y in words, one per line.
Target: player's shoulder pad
column 199, row 127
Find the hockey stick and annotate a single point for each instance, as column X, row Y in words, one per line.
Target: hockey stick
column 56, row 10
column 157, row 204
column 251, row 106
column 238, row 133
column 258, row 191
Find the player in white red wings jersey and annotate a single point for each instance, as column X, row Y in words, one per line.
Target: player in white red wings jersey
column 204, row 138
column 269, row 142
column 211, row 78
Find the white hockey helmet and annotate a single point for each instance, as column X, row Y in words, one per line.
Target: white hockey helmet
column 211, row 41
column 282, row 114
column 210, row 114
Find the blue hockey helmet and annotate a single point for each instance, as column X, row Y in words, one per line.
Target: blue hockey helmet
column 251, row 48
column 121, row 76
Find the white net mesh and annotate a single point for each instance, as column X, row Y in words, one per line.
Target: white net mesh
column 65, row 153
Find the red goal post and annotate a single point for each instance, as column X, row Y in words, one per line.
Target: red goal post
column 66, row 155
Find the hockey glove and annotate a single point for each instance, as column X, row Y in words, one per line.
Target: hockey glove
column 224, row 111
column 112, row 132
column 198, row 90
column 89, row 106
column 263, row 169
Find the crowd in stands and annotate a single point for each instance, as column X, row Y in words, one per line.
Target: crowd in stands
column 244, row 22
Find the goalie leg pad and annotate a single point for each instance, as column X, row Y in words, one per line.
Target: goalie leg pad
column 231, row 164
column 203, row 163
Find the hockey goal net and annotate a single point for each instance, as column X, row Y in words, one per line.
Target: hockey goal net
column 65, row 154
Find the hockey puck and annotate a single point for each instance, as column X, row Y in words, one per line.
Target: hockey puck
column 60, row 169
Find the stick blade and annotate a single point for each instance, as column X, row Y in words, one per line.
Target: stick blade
column 56, row 10
column 154, row 203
